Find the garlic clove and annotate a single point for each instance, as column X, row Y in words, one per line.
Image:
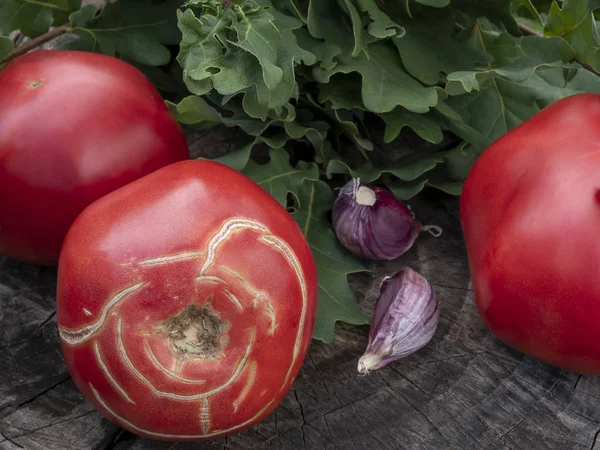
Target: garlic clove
column 405, row 319
column 371, row 223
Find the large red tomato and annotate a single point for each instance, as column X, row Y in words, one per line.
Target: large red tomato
column 186, row 302
column 530, row 212
column 73, row 127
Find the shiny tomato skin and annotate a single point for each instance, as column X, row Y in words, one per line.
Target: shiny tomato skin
column 73, row 127
column 530, row 212
column 195, row 234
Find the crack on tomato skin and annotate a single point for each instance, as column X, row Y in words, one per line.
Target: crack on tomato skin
column 196, row 332
column 108, row 374
column 239, row 368
column 166, row 371
column 249, row 383
column 205, row 417
column 35, row 84
column 258, row 296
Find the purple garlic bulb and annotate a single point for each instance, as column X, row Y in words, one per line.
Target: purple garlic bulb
column 371, row 223
column 405, row 319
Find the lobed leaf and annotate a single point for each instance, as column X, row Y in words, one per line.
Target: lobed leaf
column 431, row 48
column 515, row 58
column 194, row 110
column 336, row 301
column 385, row 84
column 34, row 18
column 575, row 22
column 278, row 177
column 138, row 30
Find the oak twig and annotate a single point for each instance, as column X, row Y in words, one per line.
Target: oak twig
column 531, row 32
column 34, row 43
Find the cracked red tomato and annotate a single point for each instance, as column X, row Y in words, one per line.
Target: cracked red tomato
column 186, row 302
column 73, row 127
column 530, row 211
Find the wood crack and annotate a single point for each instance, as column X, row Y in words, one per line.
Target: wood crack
column 9, row 440
column 577, row 382
column 413, row 384
column 58, row 422
column 46, row 320
column 511, row 429
column 48, row 389
column 39, row 336
column 595, row 440
column 421, row 413
column 300, row 406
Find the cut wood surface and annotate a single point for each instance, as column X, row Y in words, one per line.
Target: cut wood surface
column 465, row 390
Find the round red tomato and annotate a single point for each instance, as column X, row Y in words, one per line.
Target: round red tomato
column 186, row 302
column 530, row 211
column 73, row 127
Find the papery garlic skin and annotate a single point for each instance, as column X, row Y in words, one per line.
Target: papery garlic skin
column 371, row 223
column 405, row 319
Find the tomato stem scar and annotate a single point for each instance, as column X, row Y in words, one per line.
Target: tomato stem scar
column 35, row 84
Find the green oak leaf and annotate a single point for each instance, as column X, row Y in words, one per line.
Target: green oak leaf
column 385, row 84
column 194, row 110
column 407, row 168
column 239, row 158
column 276, row 98
column 278, row 177
column 314, row 132
column 459, row 161
column 496, row 11
column 529, row 13
column 503, row 104
column 323, row 22
column 425, row 125
column 405, row 190
column 381, row 26
column 431, row 48
column 361, row 38
column 239, row 118
column 346, row 116
column 336, row 301
column 434, row 3
column 342, row 91
column 258, row 35
column 292, row 7
column 575, row 22
column 441, row 180
column 202, row 46
column 531, row 74
column 515, row 58
column 6, row 45
column 324, row 51
column 347, row 122
column 250, row 49
column 406, row 6
column 34, row 18
column 138, row 30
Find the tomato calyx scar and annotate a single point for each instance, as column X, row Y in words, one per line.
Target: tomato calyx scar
column 35, row 84
column 196, row 332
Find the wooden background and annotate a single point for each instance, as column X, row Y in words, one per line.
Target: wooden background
column 465, row 390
